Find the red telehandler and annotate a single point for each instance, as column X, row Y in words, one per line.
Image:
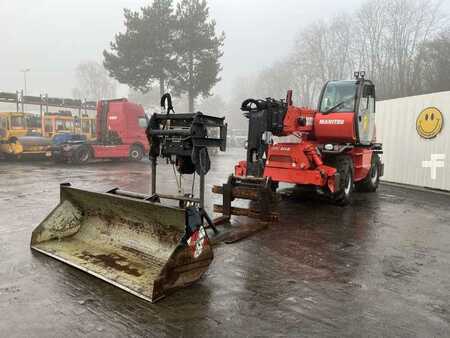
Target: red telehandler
column 331, row 150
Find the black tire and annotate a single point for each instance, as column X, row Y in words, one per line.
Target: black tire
column 344, row 192
column 58, row 159
column 136, row 153
column 274, row 186
column 11, row 157
column 81, row 155
column 203, row 163
column 371, row 182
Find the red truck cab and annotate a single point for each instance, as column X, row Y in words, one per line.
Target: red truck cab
column 120, row 134
column 120, row 130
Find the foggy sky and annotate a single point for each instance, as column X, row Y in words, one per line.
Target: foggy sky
column 51, row 37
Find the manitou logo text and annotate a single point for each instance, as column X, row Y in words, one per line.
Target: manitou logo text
column 333, row 122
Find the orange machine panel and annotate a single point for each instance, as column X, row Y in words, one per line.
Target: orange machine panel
column 336, row 127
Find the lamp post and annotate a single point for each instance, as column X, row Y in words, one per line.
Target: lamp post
column 25, row 71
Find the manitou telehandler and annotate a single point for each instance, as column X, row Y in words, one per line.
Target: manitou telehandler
column 330, row 150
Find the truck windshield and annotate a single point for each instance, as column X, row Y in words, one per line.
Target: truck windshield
column 142, row 122
column 339, row 94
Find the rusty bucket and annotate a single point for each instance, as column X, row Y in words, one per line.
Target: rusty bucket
column 137, row 245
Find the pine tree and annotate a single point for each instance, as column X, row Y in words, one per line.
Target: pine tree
column 145, row 53
column 198, row 50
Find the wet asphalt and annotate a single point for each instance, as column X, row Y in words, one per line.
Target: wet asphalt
column 378, row 268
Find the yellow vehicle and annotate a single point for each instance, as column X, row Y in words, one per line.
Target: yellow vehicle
column 9, row 146
column 20, row 135
column 22, row 132
column 57, row 123
column 14, row 123
column 33, row 124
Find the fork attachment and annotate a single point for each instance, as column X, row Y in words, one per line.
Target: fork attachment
column 256, row 189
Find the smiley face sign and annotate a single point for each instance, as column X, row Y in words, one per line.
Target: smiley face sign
column 429, row 122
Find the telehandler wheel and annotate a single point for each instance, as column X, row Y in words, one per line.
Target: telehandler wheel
column 344, row 166
column 136, row 153
column 81, row 155
column 372, row 180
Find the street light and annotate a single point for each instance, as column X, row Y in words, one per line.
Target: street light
column 25, row 71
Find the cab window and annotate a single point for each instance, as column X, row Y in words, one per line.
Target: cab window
column 3, row 123
column 142, row 121
column 59, row 125
column 33, row 122
column 48, row 126
column 64, row 125
column 17, row 122
column 368, row 99
column 340, row 93
column 85, row 126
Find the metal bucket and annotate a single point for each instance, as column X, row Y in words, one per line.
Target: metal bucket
column 132, row 243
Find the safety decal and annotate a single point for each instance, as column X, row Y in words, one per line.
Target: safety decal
column 197, row 241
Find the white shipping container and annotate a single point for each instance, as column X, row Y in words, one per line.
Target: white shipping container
column 408, row 157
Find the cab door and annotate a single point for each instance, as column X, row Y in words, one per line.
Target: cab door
column 366, row 114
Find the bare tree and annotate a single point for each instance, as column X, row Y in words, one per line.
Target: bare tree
column 433, row 65
column 93, row 82
column 323, row 51
column 274, row 81
column 389, row 35
column 394, row 41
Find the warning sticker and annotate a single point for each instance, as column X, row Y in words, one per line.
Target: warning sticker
column 197, row 241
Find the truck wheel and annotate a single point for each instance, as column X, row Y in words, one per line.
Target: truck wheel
column 81, row 155
column 58, row 159
column 372, row 180
column 344, row 193
column 136, row 153
column 274, row 186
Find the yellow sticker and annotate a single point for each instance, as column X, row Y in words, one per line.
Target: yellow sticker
column 429, row 122
column 365, row 122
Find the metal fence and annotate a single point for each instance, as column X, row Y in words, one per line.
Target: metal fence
column 44, row 101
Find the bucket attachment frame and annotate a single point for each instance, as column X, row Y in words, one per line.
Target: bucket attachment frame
column 142, row 247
